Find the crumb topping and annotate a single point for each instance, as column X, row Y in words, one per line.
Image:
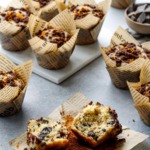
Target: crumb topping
column 43, row 2
column 16, row 16
column 51, row 35
column 126, row 53
column 144, row 89
column 95, row 120
column 81, row 11
column 11, row 79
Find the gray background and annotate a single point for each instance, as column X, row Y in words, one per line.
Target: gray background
column 43, row 97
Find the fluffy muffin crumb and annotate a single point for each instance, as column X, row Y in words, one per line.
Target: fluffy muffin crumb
column 96, row 123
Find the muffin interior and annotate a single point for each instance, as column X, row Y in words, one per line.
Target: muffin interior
column 46, row 131
column 96, row 121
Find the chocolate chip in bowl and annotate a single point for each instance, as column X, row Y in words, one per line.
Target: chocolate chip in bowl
column 138, row 17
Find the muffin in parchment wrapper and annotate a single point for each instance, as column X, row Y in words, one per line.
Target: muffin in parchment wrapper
column 46, row 10
column 12, row 36
column 121, row 4
column 128, row 71
column 142, row 102
column 89, row 25
column 48, row 54
column 11, row 97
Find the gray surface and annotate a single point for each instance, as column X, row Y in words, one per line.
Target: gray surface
column 43, row 97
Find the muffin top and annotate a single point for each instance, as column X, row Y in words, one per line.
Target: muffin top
column 43, row 2
column 81, row 11
column 16, row 16
column 144, row 89
column 56, row 36
column 11, row 79
column 126, row 53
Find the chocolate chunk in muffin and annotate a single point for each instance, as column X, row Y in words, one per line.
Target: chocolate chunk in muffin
column 56, row 36
column 16, row 16
column 126, row 53
column 144, row 89
column 11, row 79
column 81, row 11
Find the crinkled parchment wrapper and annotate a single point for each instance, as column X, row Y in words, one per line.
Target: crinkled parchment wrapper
column 126, row 72
column 90, row 25
column 13, row 38
column 72, row 107
column 47, row 12
column 48, row 55
column 141, row 102
column 122, row 4
column 10, row 101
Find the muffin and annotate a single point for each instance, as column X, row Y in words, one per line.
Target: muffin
column 13, row 28
column 124, row 58
column 13, row 85
column 95, row 124
column 46, row 134
column 46, row 9
column 89, row 17
column 140, row 92
column 53, row 42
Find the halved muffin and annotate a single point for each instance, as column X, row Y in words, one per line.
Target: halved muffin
column 44, row 134
column 96, row 123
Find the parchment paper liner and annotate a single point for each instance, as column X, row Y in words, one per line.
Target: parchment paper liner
column 90, row 25
column 12, row 38
column 121, row 4
column 127, row 72
column 48, row 55
column 47, row 12
column 141, row 102
column 10, row 101
column 72, row 107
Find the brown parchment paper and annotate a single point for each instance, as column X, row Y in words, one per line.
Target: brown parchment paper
column 47, row 54
column 90, row 25
column 126, row 72
column 47, row 12
column 141, row 102
column 13, row 38
column 72, row 107
column 11, row 98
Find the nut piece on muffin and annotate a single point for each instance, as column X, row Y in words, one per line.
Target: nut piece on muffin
column 96, row 123
column 126, row 53
column 16, row 16
column 46, row 134
column 11, row 79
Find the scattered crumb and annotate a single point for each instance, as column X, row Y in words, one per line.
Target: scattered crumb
column 128, row 135
column 0, row 144
column 133, row 120
column 17, row 145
